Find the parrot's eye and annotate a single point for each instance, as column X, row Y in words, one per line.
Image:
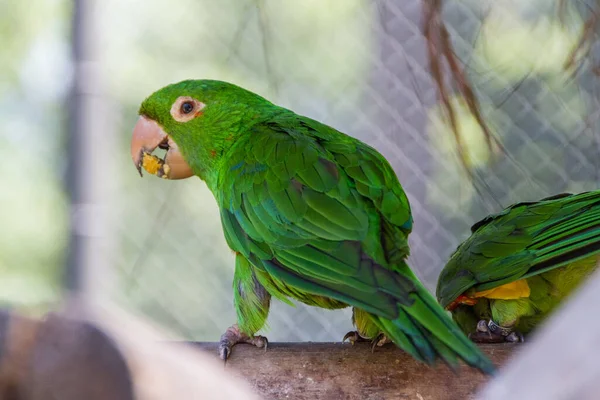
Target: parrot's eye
column 186, row 108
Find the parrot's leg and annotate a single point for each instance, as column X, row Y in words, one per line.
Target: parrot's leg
column 501, row 326
column 365, row 330
column 506, row 331
column 233, row 336
column 379, row 341
column 484, row 335
column 355, row 336
column 252, row 302
column 506, row 315
column 491, row 332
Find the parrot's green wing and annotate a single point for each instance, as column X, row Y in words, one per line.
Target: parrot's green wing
column 523, row 240
column 320, row 214
column 289, row 206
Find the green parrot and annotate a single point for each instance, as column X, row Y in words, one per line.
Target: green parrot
column 519, row 264
column 311, row 213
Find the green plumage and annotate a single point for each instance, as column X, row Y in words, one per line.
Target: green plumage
column 554, row 244
column 313, row 215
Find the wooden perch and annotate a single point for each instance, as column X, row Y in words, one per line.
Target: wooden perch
column 341, row 371
column 93, row 354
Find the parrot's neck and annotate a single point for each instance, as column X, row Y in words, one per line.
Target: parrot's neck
column 229, row 134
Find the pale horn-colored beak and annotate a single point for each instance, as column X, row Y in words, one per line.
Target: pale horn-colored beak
column 147, row 136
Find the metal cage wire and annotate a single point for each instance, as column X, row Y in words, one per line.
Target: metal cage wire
column 360, row 67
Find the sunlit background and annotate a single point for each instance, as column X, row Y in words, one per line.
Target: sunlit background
column 358, row 65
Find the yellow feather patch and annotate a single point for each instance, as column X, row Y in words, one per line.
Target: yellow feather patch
column 513, row 290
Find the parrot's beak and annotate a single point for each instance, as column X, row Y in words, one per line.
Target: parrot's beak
column 147, row 136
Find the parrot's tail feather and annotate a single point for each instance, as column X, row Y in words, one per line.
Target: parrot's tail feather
column 420, row 343
column 407, row 335
column 425, row 330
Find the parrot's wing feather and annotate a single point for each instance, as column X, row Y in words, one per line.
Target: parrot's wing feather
column 523, row 240
column 304, row 216
column 324, row 217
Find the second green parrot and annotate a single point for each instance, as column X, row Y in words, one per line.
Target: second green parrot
column 311, row 213
column 521, row 263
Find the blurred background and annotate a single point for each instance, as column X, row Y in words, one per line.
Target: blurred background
column 74, row 211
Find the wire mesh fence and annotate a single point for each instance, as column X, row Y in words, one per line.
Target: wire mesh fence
column 361, row 67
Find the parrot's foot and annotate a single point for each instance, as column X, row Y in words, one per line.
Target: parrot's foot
column 490, row 332
column 353, row 337
column 515, row 337
column 379, row 341
column 484, row 335
column 233, row 336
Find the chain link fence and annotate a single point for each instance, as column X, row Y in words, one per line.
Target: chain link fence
column 361, row 67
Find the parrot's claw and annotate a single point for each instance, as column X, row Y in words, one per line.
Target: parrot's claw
column 482, row 326
column 515, row 337
column 483, row 334
column 233, row 336
column 224, row 351
column 353, row 337
column 379, row 341
column 490, row 332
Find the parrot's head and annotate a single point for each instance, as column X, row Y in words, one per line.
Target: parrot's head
column 196, row 122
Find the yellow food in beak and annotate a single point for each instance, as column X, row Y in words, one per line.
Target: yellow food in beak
column 147, row 137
